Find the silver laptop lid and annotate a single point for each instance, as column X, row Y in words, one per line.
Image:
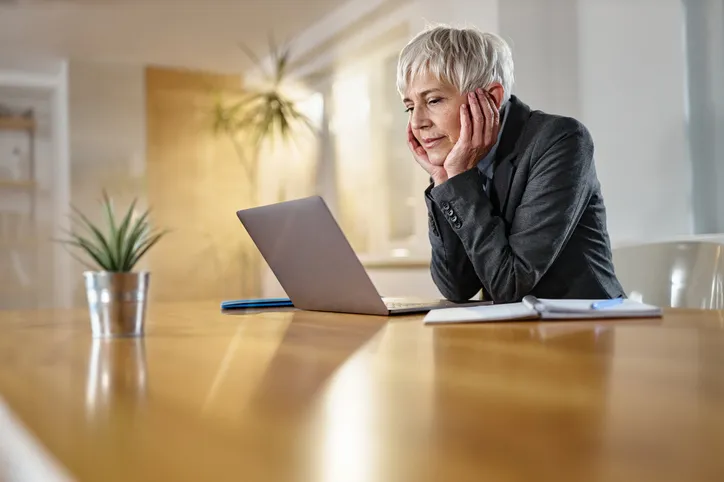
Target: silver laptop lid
column 311, row 258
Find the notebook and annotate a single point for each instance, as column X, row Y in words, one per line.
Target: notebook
column 256, row 303
column 532, row 308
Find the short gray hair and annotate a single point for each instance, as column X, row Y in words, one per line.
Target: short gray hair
column 464, row 57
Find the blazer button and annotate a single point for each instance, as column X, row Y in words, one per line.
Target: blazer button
column 450, row 212
column 454, row 218
column 445, row 205
column 458, row 225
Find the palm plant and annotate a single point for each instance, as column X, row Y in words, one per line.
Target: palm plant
column 119, row 246
column 261, row 114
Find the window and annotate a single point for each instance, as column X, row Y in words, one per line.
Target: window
column 378, row 187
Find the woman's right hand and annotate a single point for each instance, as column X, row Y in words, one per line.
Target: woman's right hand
column 437, row 172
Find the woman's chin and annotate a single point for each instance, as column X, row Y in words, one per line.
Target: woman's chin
column 437, row 155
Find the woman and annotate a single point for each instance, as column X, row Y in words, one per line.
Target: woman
column 515, row 206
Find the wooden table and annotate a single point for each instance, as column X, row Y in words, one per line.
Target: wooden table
column 301, row 396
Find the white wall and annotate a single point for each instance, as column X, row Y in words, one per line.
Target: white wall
column 705, row 36
column 108, row 121
column 626, row 80
column 633, row 100
column 107, row 139
column 543, row 36
column 482, row 14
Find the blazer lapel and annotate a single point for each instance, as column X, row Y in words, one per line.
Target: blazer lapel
column 502, row 180
column 507, row 156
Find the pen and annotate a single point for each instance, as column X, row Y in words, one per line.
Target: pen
column 533, row 303
column 597, row 305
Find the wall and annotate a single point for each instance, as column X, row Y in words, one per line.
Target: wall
column 543, row 36
column 107, row 141
column 583, row 58
column 196, row 183
column 633, row 100
column 705, row 38
column 25, row 223
column 41, row 85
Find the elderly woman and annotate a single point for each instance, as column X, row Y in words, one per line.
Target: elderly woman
column 515, row 206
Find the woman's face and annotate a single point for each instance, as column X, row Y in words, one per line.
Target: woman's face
column 434, row 109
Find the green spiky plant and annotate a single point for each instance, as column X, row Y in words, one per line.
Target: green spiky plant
column 117, row 246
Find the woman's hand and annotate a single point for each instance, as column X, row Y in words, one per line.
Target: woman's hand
column 437, row 172
column 479, row 127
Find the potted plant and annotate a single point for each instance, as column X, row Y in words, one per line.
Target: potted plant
column 116, row 294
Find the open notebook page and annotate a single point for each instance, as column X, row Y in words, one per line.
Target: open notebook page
column 582, row 309
column 509, row 311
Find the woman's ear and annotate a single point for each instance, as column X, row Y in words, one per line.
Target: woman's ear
column 497, row 92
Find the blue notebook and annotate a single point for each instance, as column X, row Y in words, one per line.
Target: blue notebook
column 256, row 303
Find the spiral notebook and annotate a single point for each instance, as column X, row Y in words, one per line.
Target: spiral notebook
column 532, row 308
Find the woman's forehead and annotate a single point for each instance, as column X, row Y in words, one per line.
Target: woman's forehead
column 423, row 83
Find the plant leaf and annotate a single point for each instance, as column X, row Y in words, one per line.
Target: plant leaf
column 97, row 256
column 148, row 244
column 252, row 56
column 95, row 231
column 122, row 239
column 263, row 114
column 110, row 217
column 139, row 228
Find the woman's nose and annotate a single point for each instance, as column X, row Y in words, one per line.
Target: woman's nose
column 419, row 120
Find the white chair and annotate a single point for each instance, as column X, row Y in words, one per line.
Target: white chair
column 682, row 274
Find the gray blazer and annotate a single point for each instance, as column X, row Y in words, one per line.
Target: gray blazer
column 541, row 227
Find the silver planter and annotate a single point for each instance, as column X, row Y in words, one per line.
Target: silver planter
column 117, row 302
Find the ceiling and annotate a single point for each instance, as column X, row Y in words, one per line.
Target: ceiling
column 197, row 34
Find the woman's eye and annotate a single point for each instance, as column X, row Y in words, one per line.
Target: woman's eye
column 433, row 101
column 408, row 109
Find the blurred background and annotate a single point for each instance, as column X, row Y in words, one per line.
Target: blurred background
column 122, row 96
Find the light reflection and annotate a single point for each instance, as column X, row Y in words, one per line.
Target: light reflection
column 400, row 253
column 347, row 448
column 717, row 301
column 116, row 370
column 678, row 284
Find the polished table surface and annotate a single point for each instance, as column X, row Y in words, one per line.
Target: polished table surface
column 301, row 396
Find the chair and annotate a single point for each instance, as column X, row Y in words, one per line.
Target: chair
column 685, row 274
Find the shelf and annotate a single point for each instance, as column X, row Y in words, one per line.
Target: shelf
column 17, row 123
column 13, row 184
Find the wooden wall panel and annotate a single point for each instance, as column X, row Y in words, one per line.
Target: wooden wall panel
column 195, row 185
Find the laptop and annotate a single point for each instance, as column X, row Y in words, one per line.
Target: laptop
column 311, row 258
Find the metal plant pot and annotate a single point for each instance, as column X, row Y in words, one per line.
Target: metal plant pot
column 117, row 302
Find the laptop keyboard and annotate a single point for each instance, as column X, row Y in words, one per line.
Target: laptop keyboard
column 397, row 305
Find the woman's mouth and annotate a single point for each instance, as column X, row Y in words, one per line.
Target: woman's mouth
column 430, row 142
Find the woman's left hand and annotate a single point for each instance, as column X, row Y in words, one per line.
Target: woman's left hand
column 479, row 127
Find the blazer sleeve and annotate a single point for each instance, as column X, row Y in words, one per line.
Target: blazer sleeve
column 510, row 264
column 450, row 267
